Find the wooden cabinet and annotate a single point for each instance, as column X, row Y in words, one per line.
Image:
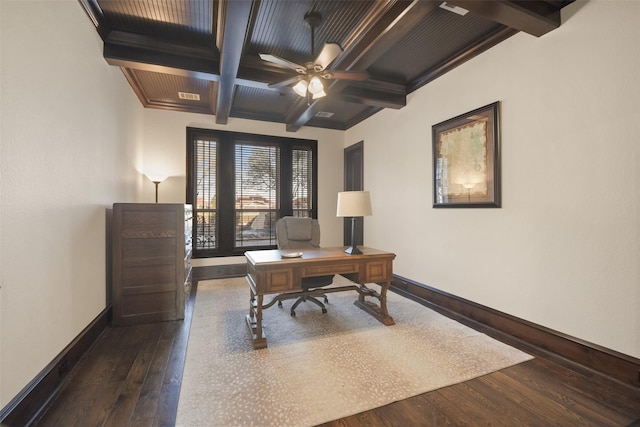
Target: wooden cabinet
column 151, row 261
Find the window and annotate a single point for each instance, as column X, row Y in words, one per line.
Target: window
column 240, row 184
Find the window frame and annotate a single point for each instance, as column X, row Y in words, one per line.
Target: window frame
column 225, row 183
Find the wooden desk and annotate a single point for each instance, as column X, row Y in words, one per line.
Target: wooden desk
column 269, row 273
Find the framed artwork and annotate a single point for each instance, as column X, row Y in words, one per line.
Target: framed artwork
column 466, row 160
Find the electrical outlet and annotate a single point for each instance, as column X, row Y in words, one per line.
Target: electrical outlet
column 63, row 367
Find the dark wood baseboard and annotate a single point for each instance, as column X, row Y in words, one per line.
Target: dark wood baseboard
column 23, row 409
column 529, row 337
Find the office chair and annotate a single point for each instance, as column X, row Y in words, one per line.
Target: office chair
column 299, row 233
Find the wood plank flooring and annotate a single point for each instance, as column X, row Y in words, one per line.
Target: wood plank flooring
column 132, row 375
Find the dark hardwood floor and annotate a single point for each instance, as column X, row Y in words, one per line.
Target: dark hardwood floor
column 132, row 375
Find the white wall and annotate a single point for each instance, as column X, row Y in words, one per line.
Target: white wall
column 165, row 149
column 563, row 250
column 70, row 147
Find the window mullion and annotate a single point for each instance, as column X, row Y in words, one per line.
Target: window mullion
column 226, row 194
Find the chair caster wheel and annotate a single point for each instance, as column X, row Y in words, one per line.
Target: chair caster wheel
column 293, row 313
column 324, row 311
column 326, row 299
column 280, row 304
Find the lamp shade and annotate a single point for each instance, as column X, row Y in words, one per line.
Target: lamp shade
column 354, row 203
column 156, row 177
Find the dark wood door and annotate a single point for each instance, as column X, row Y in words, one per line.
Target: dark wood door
column 354, row 181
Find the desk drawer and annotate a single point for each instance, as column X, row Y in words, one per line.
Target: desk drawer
column 378, row 271
column 330, row 269
column 279, row 280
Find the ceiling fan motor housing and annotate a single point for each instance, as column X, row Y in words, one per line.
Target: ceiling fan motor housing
column 312, row 18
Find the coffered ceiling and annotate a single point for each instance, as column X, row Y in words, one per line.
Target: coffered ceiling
column 202, row 56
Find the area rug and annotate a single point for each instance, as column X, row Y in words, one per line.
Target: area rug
column 320, row 367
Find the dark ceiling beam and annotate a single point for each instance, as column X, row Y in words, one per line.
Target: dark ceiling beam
column 149, row 54
column 159, row 46
column 213, row 98
column 533, row 17
column 376, row 35
column 233, row 23
column 125, row 61
column 94, row 12
column 374, row 94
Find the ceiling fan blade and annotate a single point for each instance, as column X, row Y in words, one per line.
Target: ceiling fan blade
column 327, row 55
column 345, row 75
column 294, row 79
column 283, row 62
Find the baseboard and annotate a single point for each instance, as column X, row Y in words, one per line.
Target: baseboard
column 528, row 336
column 23, row 409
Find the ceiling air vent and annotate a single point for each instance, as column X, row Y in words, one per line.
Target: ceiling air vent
column 189, row 96
column 324, row 114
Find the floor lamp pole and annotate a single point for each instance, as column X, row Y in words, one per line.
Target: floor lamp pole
column 156, row 183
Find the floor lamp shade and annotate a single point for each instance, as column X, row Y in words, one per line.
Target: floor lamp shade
column 353, row 204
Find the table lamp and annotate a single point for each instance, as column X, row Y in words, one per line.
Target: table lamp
column 353, row 204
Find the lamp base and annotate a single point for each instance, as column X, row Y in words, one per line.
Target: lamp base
column 353, row 250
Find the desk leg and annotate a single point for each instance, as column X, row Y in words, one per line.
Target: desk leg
column 383, row 300
column 380, row 312
column 254, row 321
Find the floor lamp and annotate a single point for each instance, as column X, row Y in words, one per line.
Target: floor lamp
column 156, row 179
column 353, row 204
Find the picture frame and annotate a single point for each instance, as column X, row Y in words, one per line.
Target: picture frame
column 466, row 160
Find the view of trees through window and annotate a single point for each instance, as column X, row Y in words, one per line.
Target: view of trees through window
column 256, row 198
column 240, row 184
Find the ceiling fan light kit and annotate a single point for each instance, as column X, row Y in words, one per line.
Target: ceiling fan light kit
column 301, row 88
column 308, row 84
column 315, row 86
column 319, row 94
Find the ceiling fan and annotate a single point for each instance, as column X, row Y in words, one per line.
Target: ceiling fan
column 308, row 82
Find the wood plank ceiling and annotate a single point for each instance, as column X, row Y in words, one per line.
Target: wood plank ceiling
column 202, row 56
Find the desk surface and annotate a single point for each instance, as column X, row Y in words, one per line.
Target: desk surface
column 327, row 254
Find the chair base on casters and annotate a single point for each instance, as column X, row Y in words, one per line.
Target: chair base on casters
column 310, row 299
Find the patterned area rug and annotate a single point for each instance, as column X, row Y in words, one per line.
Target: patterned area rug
column 320, row 367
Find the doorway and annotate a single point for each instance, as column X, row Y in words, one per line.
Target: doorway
column 354, row 181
